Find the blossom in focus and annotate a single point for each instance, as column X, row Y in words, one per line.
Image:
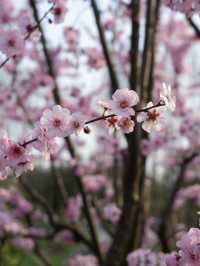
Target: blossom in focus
column 152, row 119
column 55, row 121
column 126, row 124
column 122, row 102
column 76, row 123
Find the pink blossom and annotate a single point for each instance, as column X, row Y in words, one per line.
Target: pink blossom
column 167, row 97
column 172, row 259
column 152, row 119
column 189, row 7
column 112, row 123
column 123, row 101
column 56, row 121
column 26, row 244
column 72, row 38
column 94, row 183
column 59, row 11
column 27, row 25
column 43, row 142
column 66, row 236
column 73, row 210
column 126, row 124
column 80, row 260
column 190, row 247
column 143, row 257
column 76, row 123
column 11, row 42
column 111, row 213
column 95, row 58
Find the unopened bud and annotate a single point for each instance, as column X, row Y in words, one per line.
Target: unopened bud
column 87, row 130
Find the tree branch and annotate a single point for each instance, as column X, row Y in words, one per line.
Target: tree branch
column 113, row 76
column 162, row 232
column 194, row 26
column 70, row 146
column 135, row 7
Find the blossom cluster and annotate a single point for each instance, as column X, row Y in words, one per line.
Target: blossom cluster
column 12, row 40
column 189, row 7
column 59, row 122
column 14, row 210
column 188, row 254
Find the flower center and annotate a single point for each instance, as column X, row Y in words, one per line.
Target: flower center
column 11, row 43
column 57, row 122
column 124, row 104
column 112, row 121
column 16, row 150
column 153, row 115
column 76, row 124
column 126, row 122
column 58, row 11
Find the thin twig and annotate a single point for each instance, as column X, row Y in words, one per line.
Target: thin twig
column 194, row 26
column 34, row 28
column 57, row 226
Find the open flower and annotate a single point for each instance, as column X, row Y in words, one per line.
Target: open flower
column 123, row 101
column 76, row 123
column 11, row 42
column 152, row 119
column 126, row 124
column 55, row 121
column 167, row 97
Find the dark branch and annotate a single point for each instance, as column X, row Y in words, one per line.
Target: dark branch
column 111, row 70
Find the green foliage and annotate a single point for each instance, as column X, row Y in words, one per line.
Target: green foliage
column 12, row 257
column 55, row 252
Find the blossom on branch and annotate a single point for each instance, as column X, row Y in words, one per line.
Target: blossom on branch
column 152, row 119
column 122, row 102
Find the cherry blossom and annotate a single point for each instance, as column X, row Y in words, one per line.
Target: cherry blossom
column 11, row 42
column 167, row 97
column 76, row 123
column 111, row 213
column 152, row 119
column 142, row 257
column 59, row 11
column 122, row 101
column 73, row 210
column 81, row 260
column 72, row 37
column 172, row 259
column 56, row 121
column 94, row 183
column 190, row 247
column 126, row 124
